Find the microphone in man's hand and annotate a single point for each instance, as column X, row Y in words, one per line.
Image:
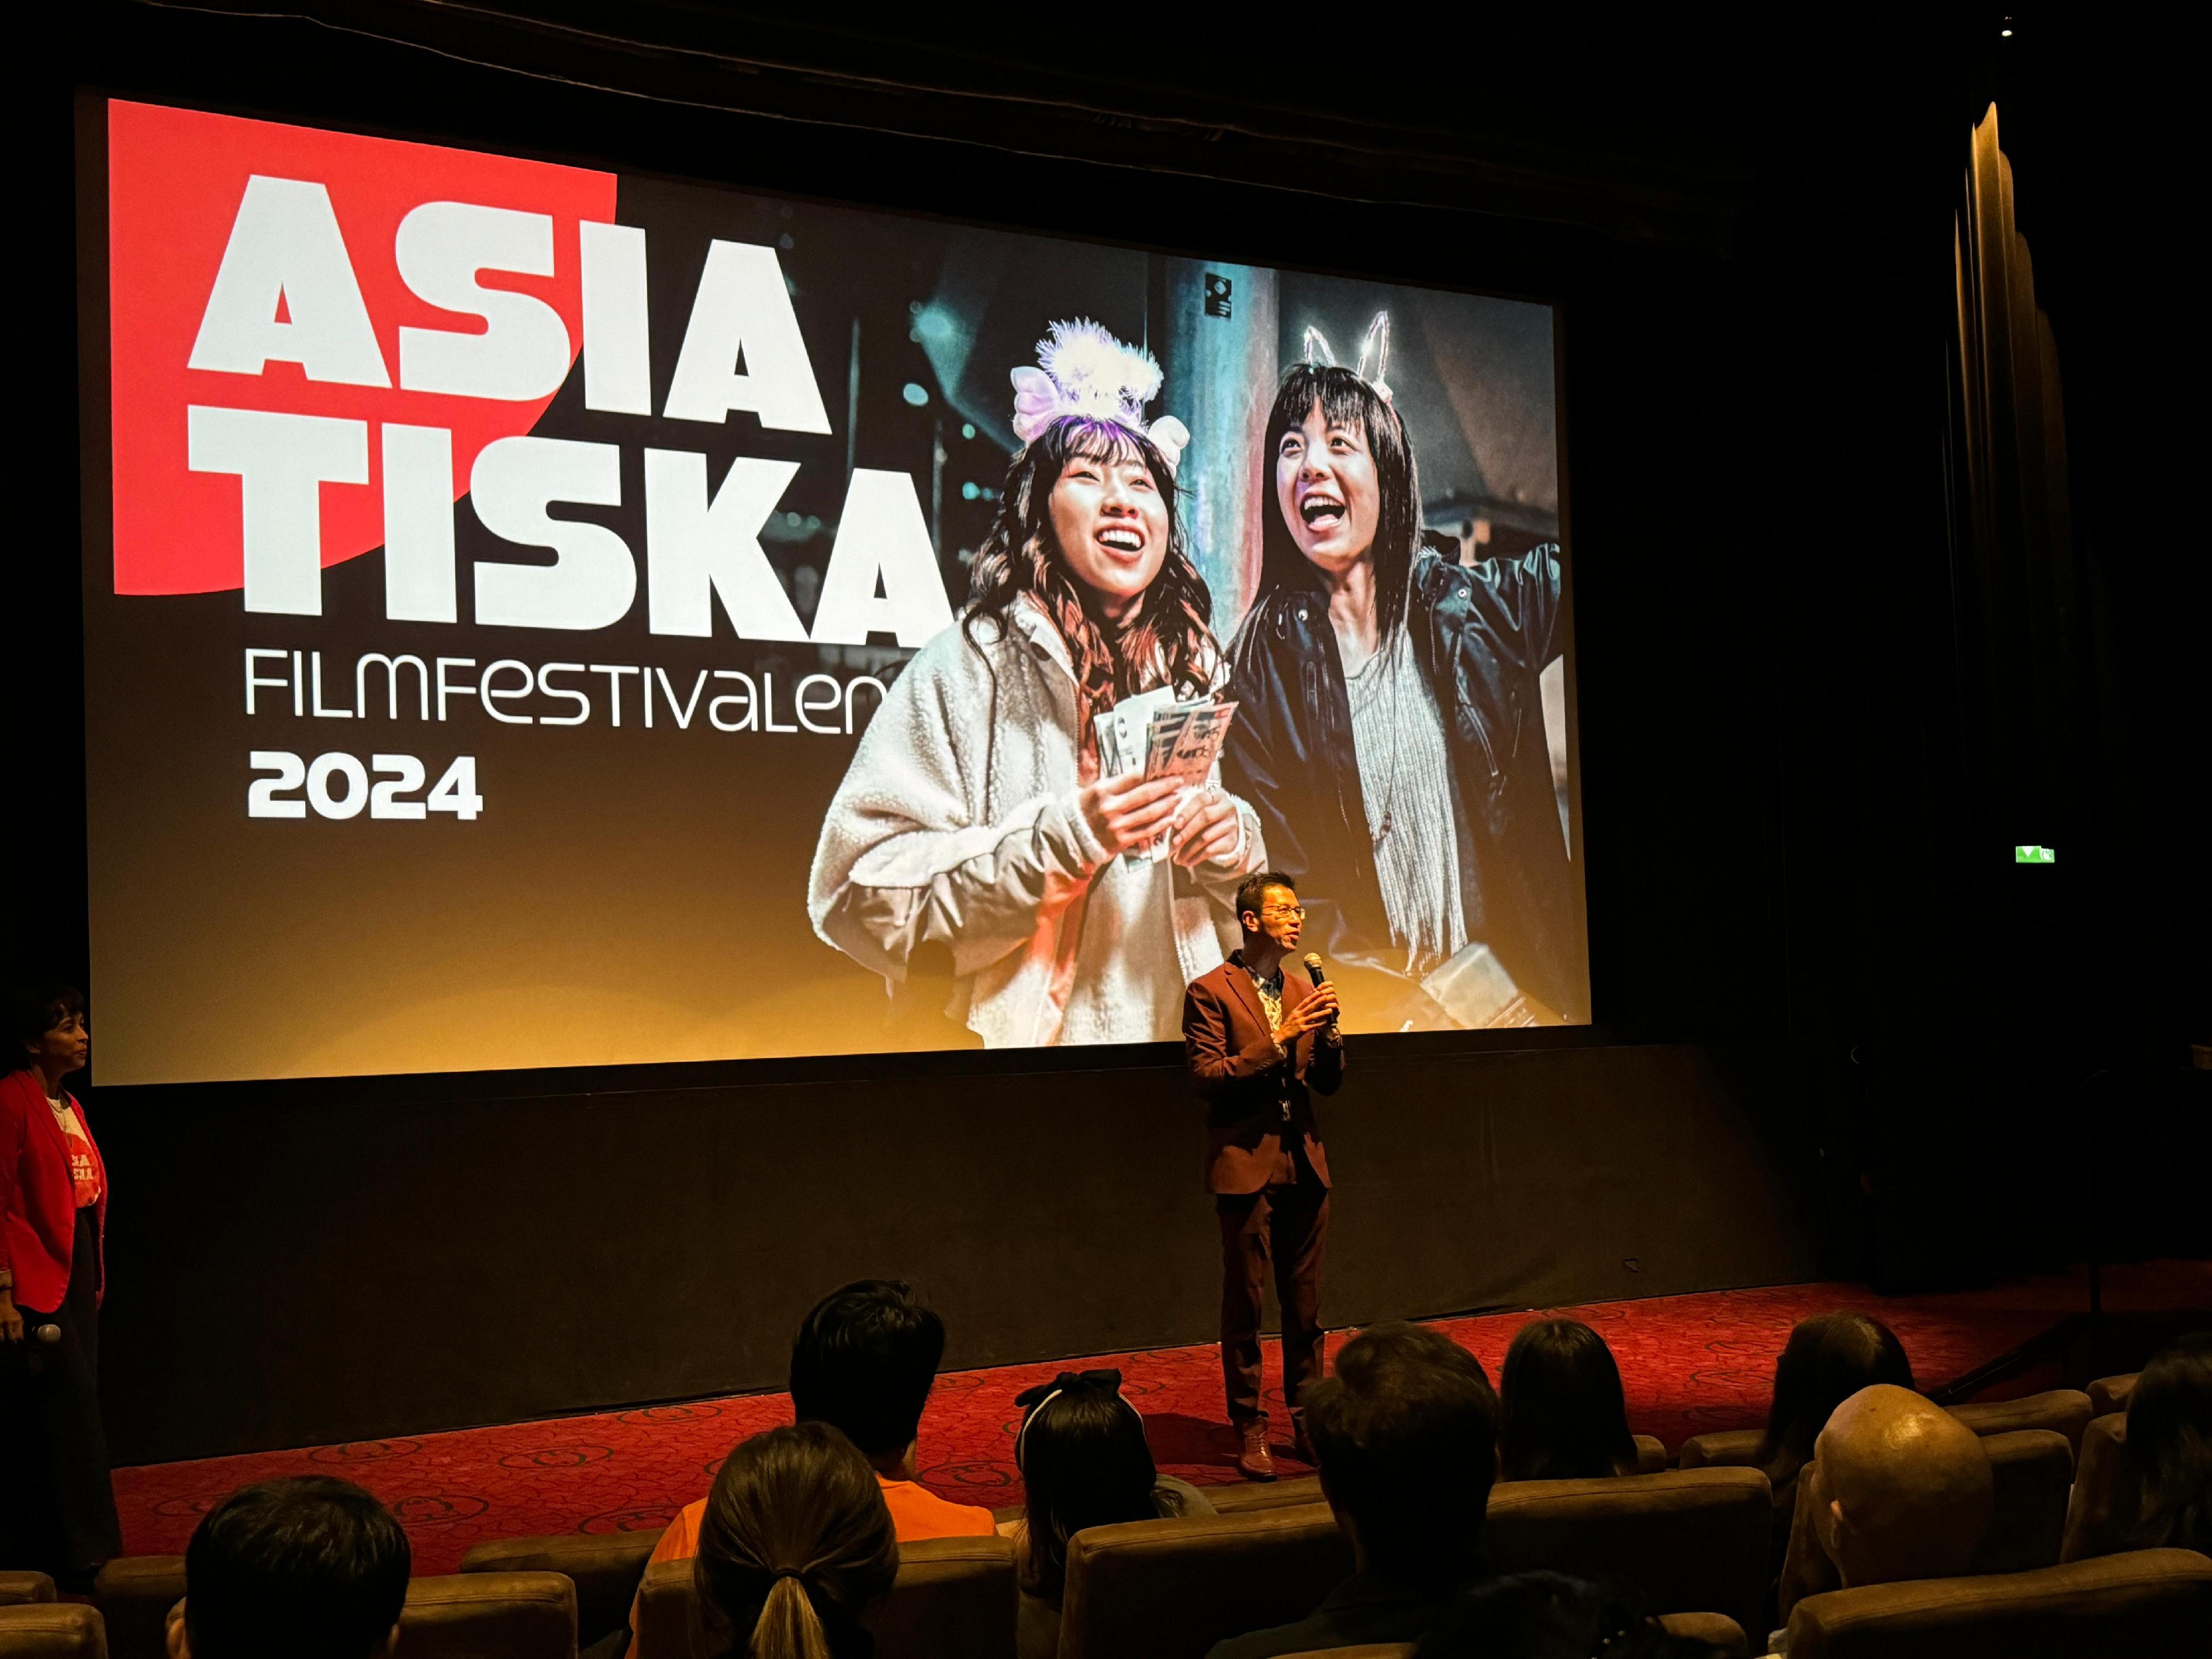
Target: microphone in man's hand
column 1312, row 960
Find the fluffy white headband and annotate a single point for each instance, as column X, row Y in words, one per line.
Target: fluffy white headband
column 1086, row 370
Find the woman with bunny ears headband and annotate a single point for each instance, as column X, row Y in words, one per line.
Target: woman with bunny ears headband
column 1389, row 727
column 974, row 818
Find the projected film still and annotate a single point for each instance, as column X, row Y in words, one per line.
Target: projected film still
column 541, row 616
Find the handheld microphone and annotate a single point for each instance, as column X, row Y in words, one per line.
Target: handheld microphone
column 1312, row 960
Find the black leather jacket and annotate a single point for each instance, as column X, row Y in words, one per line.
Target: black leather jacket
column 1481, row 637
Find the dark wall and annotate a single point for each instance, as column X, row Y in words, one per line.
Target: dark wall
column 353, row 1269
column 1796, row 954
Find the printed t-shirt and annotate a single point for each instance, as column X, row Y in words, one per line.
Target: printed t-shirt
column 84, row 1171
column 916, row 1513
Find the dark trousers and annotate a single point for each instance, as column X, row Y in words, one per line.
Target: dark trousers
column 62, row 1512
column 1290, row 1225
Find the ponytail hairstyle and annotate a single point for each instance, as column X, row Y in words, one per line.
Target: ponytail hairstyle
column 1170, row 641
column 794, row 1545
column 1347, row 400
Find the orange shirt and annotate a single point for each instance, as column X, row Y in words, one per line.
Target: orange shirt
column 916, row 1513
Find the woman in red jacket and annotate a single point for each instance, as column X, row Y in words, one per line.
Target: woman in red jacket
column 53, row 1204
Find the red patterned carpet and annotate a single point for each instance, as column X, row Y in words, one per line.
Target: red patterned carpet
column 1689, row 1363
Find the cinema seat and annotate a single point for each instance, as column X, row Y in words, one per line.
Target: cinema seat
column 1651, row 1455
column 2034, row 1474
column 1724, row 1449
column 2112, row 1394
column 2105, row 1503
column 1718, row 1632
column 2145, row 1602
column 50, row 1630
column 1170, row 1589
column 1723, row 1635
column 21, row 1589
column 604, row 1567
column 1688, row 1541
column 489, row 1615
column 134, row 1594
column 1250, row 1495
column 954, row 1600
column 2064, row 1411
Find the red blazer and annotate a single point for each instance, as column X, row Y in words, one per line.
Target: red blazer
column 1246, row 1083
column 38, row 1199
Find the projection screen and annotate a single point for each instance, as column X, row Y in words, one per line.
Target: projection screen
column 536, row 616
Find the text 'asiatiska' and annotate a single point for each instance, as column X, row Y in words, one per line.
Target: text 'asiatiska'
column 286, row 292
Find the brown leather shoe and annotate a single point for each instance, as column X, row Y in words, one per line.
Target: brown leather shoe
column 1255, row 1462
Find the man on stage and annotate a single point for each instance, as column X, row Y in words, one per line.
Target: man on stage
column 1256, row 1042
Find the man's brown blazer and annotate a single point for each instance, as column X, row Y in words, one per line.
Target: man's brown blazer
column 1246, row 1081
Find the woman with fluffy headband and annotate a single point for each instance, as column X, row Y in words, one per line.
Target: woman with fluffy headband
column 973, row 817
column 1389, row 726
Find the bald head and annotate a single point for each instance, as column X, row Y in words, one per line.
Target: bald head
column 1902, row 1489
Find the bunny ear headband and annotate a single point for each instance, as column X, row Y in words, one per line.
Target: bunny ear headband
column 1374, row 353
column 1035, row 1400
column 1086, row 371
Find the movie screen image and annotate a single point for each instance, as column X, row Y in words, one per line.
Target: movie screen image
column 540, row 617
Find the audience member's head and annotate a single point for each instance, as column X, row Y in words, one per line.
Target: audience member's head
column 1829, row 1359
column 795, row 1544
column 1548, row 1615
column 2170, row 1444
column 306, row 1568
column 46, row 1029
column 1407, row 1432
column 1561, row 1416
column 1901, row 1489
column 865, row 1360
column 1085, row 1463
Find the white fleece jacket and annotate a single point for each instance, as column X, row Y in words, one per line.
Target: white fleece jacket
column 956, row 823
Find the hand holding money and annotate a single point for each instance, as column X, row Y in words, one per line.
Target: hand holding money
column 1129, row 811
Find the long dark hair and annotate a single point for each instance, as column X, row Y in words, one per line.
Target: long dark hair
column 2170, row 1444
column 1169, row 641
column 1347, row 400
column 1561, row 1413
column 1085, row 1463
column 1828, row 1358
column 794, row 1545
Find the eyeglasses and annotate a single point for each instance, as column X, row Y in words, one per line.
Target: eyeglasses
column 1279, row 913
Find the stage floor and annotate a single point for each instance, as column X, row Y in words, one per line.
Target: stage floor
column 1689, row 1363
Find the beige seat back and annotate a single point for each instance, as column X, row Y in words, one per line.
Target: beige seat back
column 489, row 1615
column 134, row 1594
column 1721, row 1635
column 1724, row 1449
column 2112, row 1394
column 2145, row 1602
column 2063, row 1411
column 2033, row 1470
column 1248, row 1495
column 954, row 1598
column 1170, row 1589
column 1650, row 1454
column 1690, row 1541
column 2107, row 1502
column 52, row 1630
column 604, row 1567
column 23, row 1589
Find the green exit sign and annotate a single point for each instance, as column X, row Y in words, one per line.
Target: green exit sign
column 2034, row 855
